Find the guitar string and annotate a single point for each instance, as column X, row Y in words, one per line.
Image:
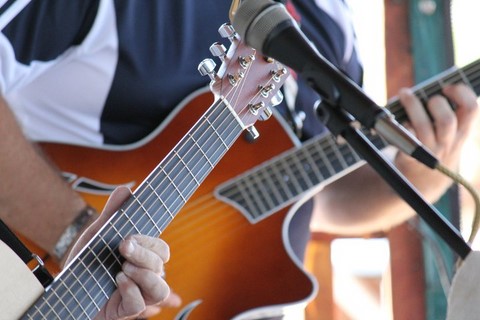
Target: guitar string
column 239, row 225
column 179, row 231
column 121, row 228
column 80, row 274
column 175, row 261
column 469, row 72
column 440, row 82
column 211, row 217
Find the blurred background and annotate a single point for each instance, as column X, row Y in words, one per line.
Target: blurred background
column 405, row 273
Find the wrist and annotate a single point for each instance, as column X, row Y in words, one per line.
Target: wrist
column 70, row 235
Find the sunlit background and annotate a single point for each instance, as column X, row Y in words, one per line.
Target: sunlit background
column 360, row 266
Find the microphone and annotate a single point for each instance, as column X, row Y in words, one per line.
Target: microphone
column 267, row 26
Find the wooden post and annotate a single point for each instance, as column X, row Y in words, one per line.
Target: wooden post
column 407, row 272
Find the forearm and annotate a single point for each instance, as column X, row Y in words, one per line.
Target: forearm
column 34, row 199
column 362, row 202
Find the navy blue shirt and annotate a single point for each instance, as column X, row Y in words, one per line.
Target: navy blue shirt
column 109, row 71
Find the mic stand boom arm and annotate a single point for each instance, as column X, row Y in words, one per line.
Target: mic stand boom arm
column 340, row 123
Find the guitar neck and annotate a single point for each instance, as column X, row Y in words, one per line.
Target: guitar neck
column 469, row 74
column 283, row 180
column 86, row 284
column 246, row 86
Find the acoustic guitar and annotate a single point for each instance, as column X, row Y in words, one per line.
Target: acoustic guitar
column 244, row 88
column 231, row 257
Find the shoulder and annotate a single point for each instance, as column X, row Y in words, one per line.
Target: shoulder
column 46, row 28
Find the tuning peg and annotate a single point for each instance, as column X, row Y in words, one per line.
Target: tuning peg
column 278, row 74
column 226, row 30
column 252, row 133
column 265, row 114
column 246, row 60
column 234, row 79
column 266, row 90
column 255, row 107
column 207, row 67
column 277, row 98
column 218, row 50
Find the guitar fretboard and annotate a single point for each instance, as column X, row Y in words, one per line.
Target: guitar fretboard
column 281, row 181
column 85, row 285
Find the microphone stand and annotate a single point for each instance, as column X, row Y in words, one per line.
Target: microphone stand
column 340, row 123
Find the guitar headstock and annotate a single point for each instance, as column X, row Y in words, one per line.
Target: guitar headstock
column 246, row 80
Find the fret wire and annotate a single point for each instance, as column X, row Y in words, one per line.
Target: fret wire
column 317, row 162
column 472, row 69
column 65, row 307
column 321, row 152
column 291, row 177
column 278, row 182
column 79, row 304
column 107, row 248
column 185, row 165
column 310, row 160
column 51, row 309
column 267, row 181
column 169, row 159
column 281, row 178
column 38, row 308
column 205, row 156
column 464, row 78
column 249, row 205
column 144, row 230
column 106, row 289
column 82, row 304
column 159, row 231
column 351, row 154
column 171, row 183
column 220, row 138
column 37, row 311
column 271, row 175
column 339, row 156
column 92, row 300
column 59, row 297
column 293, row 174
column 161, row 200
column 164, row 191
column 43, row 309
column 325, row 154
column 128, row 218
column 93, row 271
column 116, row 230
column 256, row 193
column 307, row 157
column 150, row 186
column 468, row 72
column 305, row 164
column 107, row 271
column 296, row 162
column 337, row 159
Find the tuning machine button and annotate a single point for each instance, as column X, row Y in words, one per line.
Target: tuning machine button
column 226, row 30
column 252, row 133
column 265, row 114
column 207, row 68
column 218, row 50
